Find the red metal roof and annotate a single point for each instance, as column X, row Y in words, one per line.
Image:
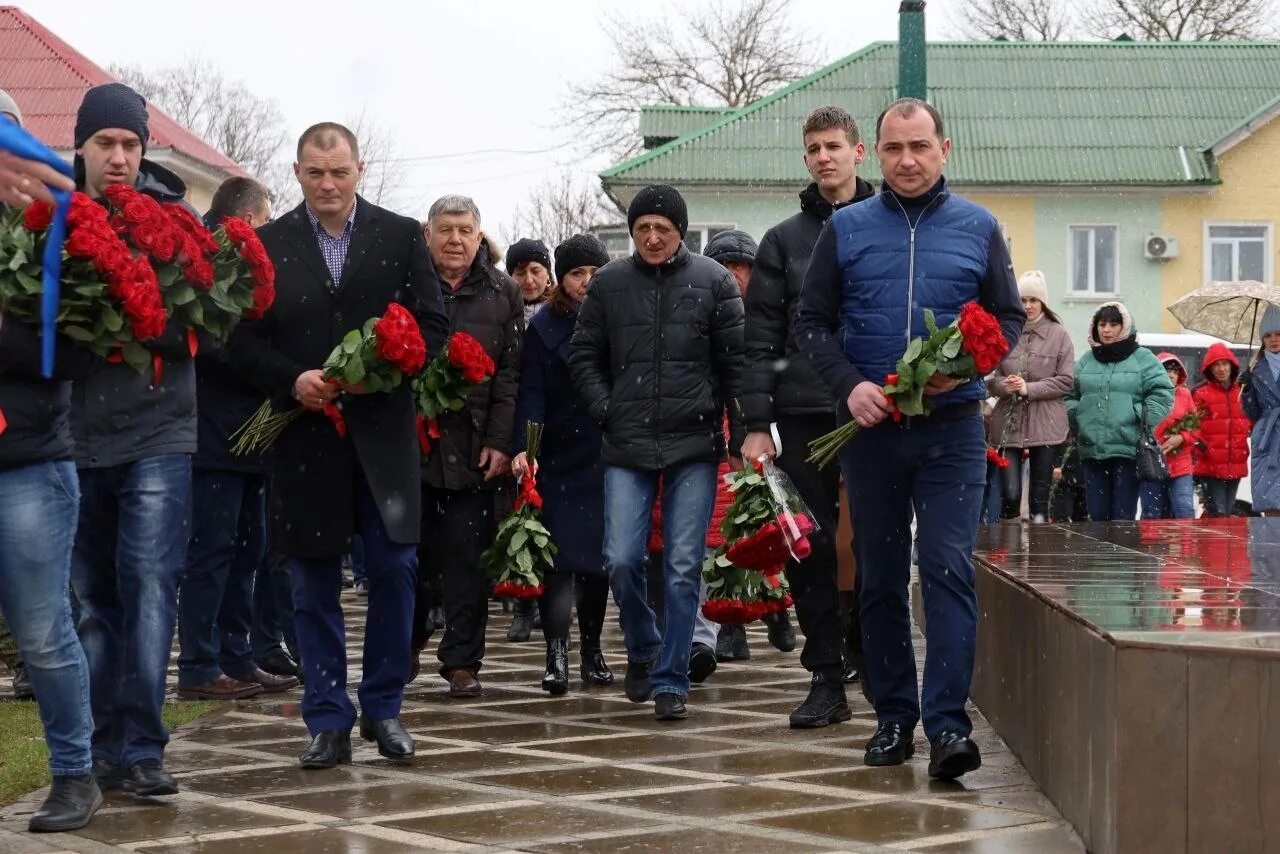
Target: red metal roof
column 48, row 79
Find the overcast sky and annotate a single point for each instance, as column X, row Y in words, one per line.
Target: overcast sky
column 447, row 78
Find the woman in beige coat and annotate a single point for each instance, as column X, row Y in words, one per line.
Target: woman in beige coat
column 1030, row 385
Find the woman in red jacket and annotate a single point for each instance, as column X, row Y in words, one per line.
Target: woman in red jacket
column 1173, row 498
column 1224, row 429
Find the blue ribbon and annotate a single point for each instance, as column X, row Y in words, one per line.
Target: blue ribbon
column 17, row 141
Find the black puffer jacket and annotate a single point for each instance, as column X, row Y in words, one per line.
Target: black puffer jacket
column 657, row 356
column 778, row 379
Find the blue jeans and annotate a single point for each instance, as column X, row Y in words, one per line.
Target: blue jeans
column 688, row 496
column 38, row 507
column 1111, row 489
column 215, row 608
column 1170, row 499
column 130, row 551
column 322, row 638
column 272, row 629
column 939, row 469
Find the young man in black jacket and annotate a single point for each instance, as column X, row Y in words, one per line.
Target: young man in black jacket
column 657, row 356
column 780, row 387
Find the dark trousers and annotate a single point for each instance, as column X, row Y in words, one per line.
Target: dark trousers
column 457, row 526
column 939, row 469
column 1041, row 476
column 814, row 581
column 563, row 589
column 215, row 603
column 322, row 638
column 1111, row 489
column 1218, row 495
column 272, row 629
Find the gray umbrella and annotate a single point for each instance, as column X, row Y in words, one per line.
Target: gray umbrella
column 1231, row 311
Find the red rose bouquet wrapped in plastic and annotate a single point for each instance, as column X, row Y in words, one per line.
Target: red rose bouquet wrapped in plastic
column 445, row 384
column 970, row 347
column 374, row 358
column 110, row 300
column 766, row 525
column 522, row 553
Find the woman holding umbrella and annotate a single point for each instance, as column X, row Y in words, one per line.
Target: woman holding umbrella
column 1261, row 401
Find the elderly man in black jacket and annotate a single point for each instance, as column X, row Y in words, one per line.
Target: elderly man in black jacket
column 781, row 388
column 657, row 356
column 339, row 262
column 467, row 463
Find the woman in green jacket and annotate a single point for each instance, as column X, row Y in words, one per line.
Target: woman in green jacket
column 1116, row 381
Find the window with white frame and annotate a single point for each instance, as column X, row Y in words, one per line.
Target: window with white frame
column 1237, row 251
column 698, row 236
column 1093, row 264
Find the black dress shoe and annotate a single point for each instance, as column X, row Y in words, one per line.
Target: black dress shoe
column 826, row 704
column 724, row 644
column 952, row 755
column 71, row 803
column 637, row 683
column 22, row 684
column 669, row 707
column 702, row 663
column 279, row 663
column 781, row 633
column 327, row 749
column 595, row 670
column 147, row 779
column 556, row 679
column 393, row 741
column 892, row 744
column 741, row 652
column 109, row 777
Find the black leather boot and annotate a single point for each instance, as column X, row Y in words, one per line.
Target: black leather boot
column 71, row 803
column 595, row 670
column 522, row 622
column 556, row 680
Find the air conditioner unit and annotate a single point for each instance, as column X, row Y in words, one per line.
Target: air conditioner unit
column 1160, row 247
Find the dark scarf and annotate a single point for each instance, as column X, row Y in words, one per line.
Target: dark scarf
column 1117, row 351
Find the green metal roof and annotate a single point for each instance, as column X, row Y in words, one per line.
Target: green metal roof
column 666, row 121
column 1050, row 113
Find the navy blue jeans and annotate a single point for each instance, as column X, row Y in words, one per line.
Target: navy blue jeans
column 272, row 629
column 322, row 637
column 215, row 608
column 130, row 551
column 939, row 468
column 1168, row 499
column 38, row 508
column 688, row 496
column 1111, row 490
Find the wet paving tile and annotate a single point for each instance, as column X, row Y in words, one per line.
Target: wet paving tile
column 242, row 733
column 632, row 747
column 161, row 820
column 513, row 733
column 889, row 822
column 531, row 822
column 568, row 706
column 265, row 781
column 464, row 762
column 583, row 780
column 760, row 762
column 1055, row 840
column 913, row 778
column 725, row 800
column 361, row 801
column 644, row 720
column 327, row 841
column 684, row 841
column 1024, row 800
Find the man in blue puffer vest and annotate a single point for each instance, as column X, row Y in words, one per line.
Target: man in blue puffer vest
column 877, row 266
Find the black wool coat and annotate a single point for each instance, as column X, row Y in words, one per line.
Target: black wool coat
column 314, row 471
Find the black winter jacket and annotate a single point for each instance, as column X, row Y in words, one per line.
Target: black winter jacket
column 488, row 307
column 778, row 379
column 118, row 415
column 657, row 356
column 36, row 410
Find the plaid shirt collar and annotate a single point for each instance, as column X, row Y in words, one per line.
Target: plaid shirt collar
column 320, row 229
column 334, row 249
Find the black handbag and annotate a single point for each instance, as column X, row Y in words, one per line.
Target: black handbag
column 1152, row 465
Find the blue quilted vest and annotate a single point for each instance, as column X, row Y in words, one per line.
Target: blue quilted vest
column 889, row 279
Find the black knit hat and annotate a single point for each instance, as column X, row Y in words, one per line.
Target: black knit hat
column 527, row 249
column 660, row 199
column 731, row 245
column 581, row 250
column 111, row 105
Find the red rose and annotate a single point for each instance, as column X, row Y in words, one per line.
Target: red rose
column 528, row 494
column 983, row 338
column 84, row 210
column 399, row 341
column 891, row 379
column 38, row 216
column 237, row 230
column 83, row 243
column 466, row 354
column 263, row 297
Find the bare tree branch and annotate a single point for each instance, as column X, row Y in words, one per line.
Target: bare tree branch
column 559, row 208
column 1018, row 20
column 385, row 171
column 730, row 54
column 1181, row 20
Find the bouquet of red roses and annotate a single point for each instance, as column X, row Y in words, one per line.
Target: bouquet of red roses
column 375, row 357
column 997, row 459
column 971, row 346
column 766, row 525
column 445, row 384
column 522, row 553
column 110, row 300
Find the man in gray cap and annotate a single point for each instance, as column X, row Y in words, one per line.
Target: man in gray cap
column 134, row 436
